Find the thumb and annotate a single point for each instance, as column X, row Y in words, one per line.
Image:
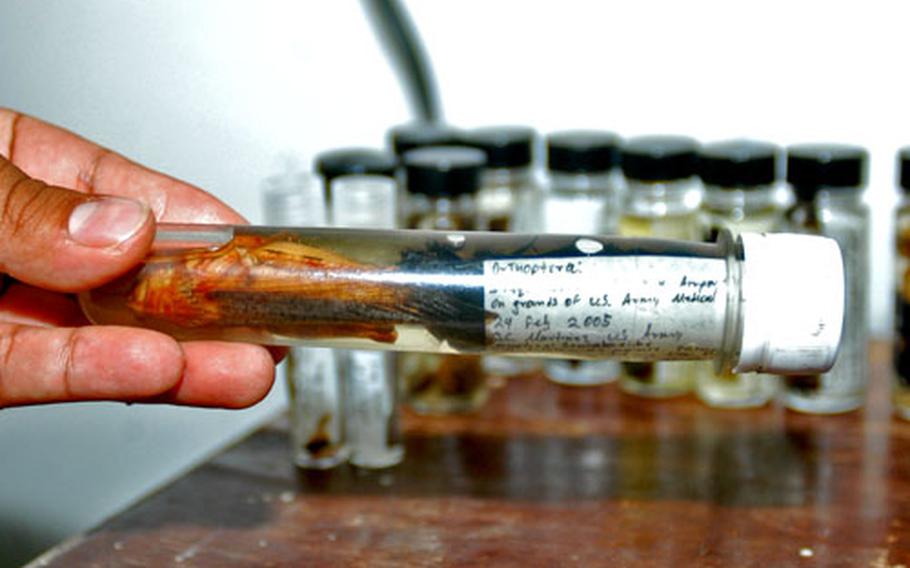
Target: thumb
column 64, row 240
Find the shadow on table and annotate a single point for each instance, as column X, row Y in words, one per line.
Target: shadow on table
column 752, row 469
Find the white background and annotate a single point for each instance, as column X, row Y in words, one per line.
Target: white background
column 212, row 92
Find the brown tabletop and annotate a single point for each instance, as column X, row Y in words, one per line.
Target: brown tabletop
column 545, row 476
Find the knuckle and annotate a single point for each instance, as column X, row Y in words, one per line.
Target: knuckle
column 88, row 178
column 68, row 361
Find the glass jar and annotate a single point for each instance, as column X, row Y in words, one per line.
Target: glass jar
column 442, row 182
column 508, row 176
column 580, row 196
column 353, row 161
column 503, row 202
column 372, row 429
column 742, row 194
column 828, row 181
column 409, row 136
column 663, row 195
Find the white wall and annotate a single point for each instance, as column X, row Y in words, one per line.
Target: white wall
column 213, row 91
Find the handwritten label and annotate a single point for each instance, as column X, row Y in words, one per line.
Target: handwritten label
column 635, row 308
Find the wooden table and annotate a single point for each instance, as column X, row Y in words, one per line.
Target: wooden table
column 547, row 476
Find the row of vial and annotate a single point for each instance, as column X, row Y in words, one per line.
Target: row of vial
column 657, row 186
column 344, row 403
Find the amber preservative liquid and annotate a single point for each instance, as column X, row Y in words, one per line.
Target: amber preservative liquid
column 742, row 194
column 662, row 199
column 902, row 296
column 828, row 181
column 315, row 395
column 770, row 303
column 581, row 195
column 442, row 182
column 507, row 184
column 372, row 428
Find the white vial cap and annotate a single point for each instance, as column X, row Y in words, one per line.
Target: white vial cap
column 362, row 201
column 792, row 302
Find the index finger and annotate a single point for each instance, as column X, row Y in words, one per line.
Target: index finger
column 59, row 157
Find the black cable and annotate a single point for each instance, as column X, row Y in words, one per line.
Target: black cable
column 396, row 32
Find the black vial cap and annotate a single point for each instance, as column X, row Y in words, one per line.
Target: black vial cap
column 811, row 167
column 582, row 151
column 443, row 171
column 412, row 135
column 354, row 161
column 659, row 158
column 740, row 164
column 504, row 146
column 903, row 164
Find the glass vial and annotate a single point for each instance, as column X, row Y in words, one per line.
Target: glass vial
column 504, row 199
column 353, row 161
column 372, row 428
column 901, row 393
column 828, row 181
column 663, row 194
column 315, row 396
column 508, row 176
column 581, row 195
column 741, row 195
column 442, row 182
column 409, row 136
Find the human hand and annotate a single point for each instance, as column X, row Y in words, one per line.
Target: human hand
column 73, row 216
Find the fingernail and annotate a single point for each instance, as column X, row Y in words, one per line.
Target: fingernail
column 106, row 222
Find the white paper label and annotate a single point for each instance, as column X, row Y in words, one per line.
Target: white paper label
column 635, row 308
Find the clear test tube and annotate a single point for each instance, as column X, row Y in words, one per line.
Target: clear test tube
column 764, row 302
column 372, row 431
column 315, row 396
